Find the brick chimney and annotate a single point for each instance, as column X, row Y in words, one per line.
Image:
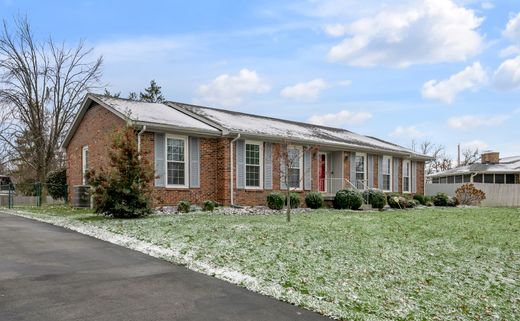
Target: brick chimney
column 490, row 157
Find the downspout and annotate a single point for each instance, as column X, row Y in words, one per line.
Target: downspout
column 139, row 140
column 232, row 185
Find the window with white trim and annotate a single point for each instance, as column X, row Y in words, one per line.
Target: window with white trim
column 254, row 156
column 84, row 164
column 387, row 173
column 361, row 169
column 295, row 166
column 406, row 176
column 176, row 161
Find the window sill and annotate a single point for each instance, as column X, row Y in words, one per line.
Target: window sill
column 249, row 189
column 179, row 187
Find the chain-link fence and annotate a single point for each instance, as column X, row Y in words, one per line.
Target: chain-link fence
column 32, row 194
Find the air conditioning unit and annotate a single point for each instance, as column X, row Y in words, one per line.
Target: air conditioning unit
column 81, row 198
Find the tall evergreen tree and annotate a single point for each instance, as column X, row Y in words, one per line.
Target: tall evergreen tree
column 125, row 188
column 152, row 94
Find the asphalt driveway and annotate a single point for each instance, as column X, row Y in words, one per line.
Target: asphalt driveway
column 50, row 273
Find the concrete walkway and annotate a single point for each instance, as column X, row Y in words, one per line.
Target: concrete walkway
column 50, row 273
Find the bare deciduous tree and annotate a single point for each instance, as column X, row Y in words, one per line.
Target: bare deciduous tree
column 42, row 84
column 292, row 169
column 442, row 161
column 470, row 156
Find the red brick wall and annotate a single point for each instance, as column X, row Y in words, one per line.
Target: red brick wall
column 420, row 178
column 258, row 197
column 208, row 177
column 95, row 130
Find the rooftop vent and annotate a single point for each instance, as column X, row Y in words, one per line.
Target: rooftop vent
column 490, row 157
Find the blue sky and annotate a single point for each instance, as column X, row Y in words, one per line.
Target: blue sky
column 447, row 71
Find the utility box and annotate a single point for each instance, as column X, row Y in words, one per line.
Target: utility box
column 81, row 198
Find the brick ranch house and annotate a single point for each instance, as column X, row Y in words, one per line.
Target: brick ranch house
column 203, row 153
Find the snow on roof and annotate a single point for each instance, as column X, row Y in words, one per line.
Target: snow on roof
column 255, row 125
column 155, row 113
column 505, row 165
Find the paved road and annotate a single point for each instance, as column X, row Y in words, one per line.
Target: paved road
column 50, row 273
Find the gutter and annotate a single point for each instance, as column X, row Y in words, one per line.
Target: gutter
column 139, row 140
column 232, row 180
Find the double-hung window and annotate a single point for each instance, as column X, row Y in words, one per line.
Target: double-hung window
column 254, row 155
column 361, row 169
column 176, row 161
column 406, row 176
column 387, row 173
column 84, row 164
column 295, row 166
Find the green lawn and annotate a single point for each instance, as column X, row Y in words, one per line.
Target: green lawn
column 428, row 264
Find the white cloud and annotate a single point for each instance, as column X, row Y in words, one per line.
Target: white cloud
column 509, row 51
column 227, row 90
column 468, row 122
column 474, row 144
column 345, row 83
column 137, row 50
column 407, row 132
column 427, row 31
column 340, row 119
column 512, row 30
column 486, row 5
column 507, row 75
column 471, row 78
column 306, row 91
column 337, row 8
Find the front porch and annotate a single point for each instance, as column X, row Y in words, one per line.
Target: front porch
column 335, row 170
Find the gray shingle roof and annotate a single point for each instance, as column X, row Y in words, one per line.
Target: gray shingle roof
column 212, row 121
column 506, row 165
column 254, row 125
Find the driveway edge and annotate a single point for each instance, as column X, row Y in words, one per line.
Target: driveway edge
column 174, row 256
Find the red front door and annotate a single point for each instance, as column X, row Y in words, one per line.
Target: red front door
column 322, row 172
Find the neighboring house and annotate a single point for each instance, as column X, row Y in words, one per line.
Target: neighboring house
column 498, row 178
column 491, row 170
column 202, row 153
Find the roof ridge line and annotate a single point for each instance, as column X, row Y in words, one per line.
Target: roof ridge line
column 268, row 117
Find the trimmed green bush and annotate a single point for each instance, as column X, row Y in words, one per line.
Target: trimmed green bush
column 208, row 206
column 440, row 199
column 420, row 198
column 295, row 200
column 275, row 201
column 183, row 207
column 348, row 199
column 314, row 200
column 375, row 197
